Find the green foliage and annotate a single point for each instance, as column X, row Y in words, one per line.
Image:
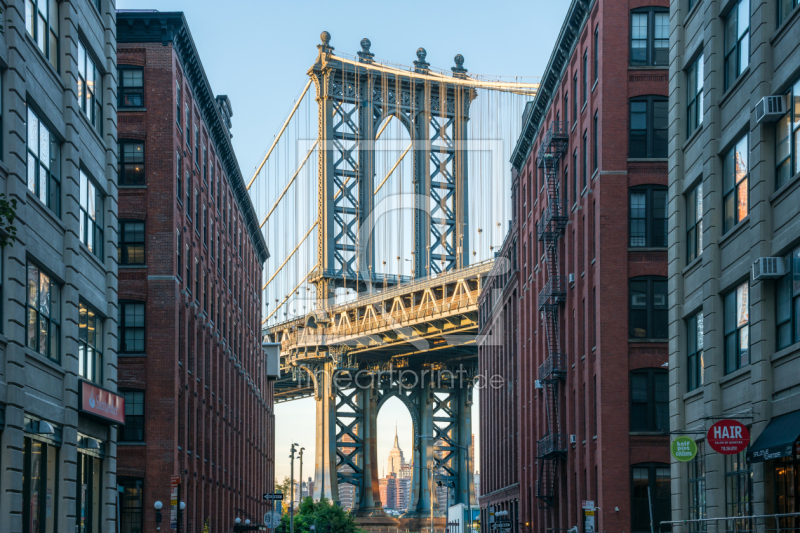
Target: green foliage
column 285, row 487
column 326, row 517
column 8, row 214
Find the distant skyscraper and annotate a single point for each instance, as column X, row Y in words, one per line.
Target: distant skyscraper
column 477, row 483
column 388, row 488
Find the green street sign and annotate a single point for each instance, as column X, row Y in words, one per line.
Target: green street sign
column 684, row 449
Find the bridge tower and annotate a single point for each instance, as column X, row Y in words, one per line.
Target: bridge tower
column 355, row 97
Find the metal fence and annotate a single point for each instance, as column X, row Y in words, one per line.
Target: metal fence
column 766, row 523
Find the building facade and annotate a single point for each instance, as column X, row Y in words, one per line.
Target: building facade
column 59, row 411
column 590, row 194
column 191, row 368
column 497, row 356
column 734, row 175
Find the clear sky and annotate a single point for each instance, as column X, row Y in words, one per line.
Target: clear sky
column 258, row 52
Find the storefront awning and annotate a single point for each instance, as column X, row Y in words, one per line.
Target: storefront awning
column 777, row 440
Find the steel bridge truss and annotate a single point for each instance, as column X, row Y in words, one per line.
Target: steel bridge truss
column 354, row 100
column 553, row 446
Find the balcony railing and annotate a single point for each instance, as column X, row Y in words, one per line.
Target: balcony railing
column 554, row 291
column 552, row 445
column 554, row 366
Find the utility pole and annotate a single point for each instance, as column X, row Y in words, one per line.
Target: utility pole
column 300, row 484
column 291, row 490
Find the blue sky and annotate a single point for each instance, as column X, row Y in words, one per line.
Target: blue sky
column 258, row 52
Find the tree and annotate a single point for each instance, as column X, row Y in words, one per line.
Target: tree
column 326, row 517
column 285, row 487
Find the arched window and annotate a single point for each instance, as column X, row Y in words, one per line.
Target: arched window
column 648, row 311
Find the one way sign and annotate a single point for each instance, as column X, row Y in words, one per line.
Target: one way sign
column 272, row 497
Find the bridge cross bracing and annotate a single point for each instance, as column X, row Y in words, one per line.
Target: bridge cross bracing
column 383, row 200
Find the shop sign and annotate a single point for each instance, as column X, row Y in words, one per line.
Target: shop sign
column 728, row 437
column 102, row 403
column 684, row 449
column 174, row 485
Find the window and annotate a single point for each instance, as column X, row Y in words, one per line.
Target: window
column 648, row 307
column 737, row 328
column 694, row 349
column 41, row 21
column 648, row 217
column 179, row 246
column 574, row 176
column 650, row 400
column 596, row 51
column 650, row 482
column 785, row 8
column 737, row 41
column 594, row 143
column 735, row 183
column 39, row 487
column 650, row 37
column 575, row 99
column 584, row 154
column 188, row 126
column 90, row 339
column 89, row 88
column 648, row 127
column 44, row 163
column 739, row 489
column 131, row 243
column 131, row 87
column 188, row 190
column 196, row 145
column 585, row 74
column 788, row 302
column 197, row 209
column 787, row 139
column 131, row 324
column 566, row 109
column 133, row 430
column 178, row 103
column 694, row 223
column 697, row 490
column 205, row 164
column 131, row 163
column 44, row 312
column 694, row 97
column 178, row 175
column 131, row 504
column 91, row 216
column 89, row 492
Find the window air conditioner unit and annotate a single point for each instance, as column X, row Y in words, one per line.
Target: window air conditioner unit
column 538, row 384
column 770, row 108
column 272, row 350
column 571, row 277
column 573, row 439
column 769, row 268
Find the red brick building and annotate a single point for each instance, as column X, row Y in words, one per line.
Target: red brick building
column 590, row 193
column 191, row 366
column 497, row 348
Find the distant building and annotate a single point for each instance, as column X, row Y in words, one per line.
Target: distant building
column 404, row 486
column 388, row 488
column 477, row 483
column 396, row 459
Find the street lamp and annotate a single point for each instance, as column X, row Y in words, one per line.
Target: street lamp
column 237, row 521
column 469, row 492
column 157, row 506
column 291, row 489
column 300, row 483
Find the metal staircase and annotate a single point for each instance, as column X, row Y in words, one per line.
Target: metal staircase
column 553, row 446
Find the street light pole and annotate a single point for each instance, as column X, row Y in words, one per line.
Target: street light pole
column 300, row 484
column 291, row 491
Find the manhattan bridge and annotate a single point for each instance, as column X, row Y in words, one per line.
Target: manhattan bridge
column 384, row 199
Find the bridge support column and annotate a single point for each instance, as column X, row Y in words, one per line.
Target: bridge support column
column 423, row 500
column 370, row 499
column 465, row 486
column 325, row 482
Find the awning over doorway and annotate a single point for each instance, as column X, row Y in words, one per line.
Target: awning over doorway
column 777, row 439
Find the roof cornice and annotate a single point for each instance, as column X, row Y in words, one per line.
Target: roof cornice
column 534, row 113
column 172, row 28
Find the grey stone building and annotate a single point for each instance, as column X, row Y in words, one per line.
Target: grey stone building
column 734, row 197
column 59, row 303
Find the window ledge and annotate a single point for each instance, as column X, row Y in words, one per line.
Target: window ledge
column 792, row 349
column 131, row 443
column 691, row 266
column 645, row 249
column 648, row 67
column 779, row 32
column 44, row 360
column 784, row 188
column 693, row 136
column 130, row 267
column 691, row 13
column 594, row 85
column 733, row 88
column 649, row 433
column 736, row 374
column 132, row 109
column 693, row 393
column 736, row 230
column 132, row 186
column 648, row 341
column 46, row 211
column 92, row 257
column 583, row 107
column 595, row 173
column 131, row 354
column 92, row 129
column 648, row 159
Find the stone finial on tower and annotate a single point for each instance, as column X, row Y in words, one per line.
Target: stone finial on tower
column 420, row 65
column 459, row 71
column 325, row 47
column 365, row 56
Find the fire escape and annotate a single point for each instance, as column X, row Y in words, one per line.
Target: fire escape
column 553, row 446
